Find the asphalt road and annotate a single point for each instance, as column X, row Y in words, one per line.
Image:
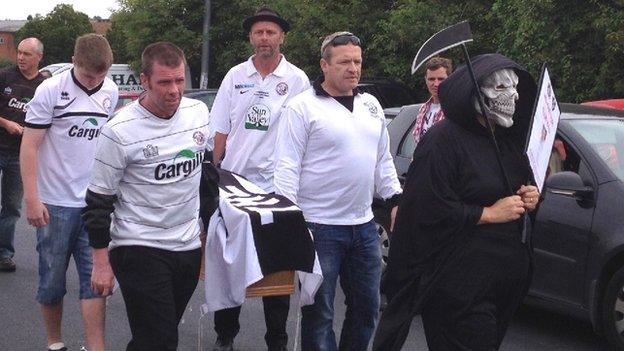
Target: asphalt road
column 21, row 327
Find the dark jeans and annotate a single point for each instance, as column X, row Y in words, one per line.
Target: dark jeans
column 11, row 196
column 275, row 316
column 156, row 286
column 351, row 254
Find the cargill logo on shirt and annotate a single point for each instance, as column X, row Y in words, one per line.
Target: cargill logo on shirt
column 89, row 129
column 19, row 104
column 183, row 164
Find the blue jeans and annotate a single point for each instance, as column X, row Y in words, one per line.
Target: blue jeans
column 11, row 193
column 63, row 237
column 353, row 253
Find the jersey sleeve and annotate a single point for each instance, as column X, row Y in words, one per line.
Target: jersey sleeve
column 110, row 163
column 205, row 113
column 114, row 100
column 220, row 114
column 386, row 180
column 289, row 150
column 40, row 109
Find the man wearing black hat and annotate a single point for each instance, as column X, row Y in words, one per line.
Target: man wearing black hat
column 244, row 117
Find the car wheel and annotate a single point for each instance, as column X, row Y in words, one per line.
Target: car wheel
column 613, row 311
column 384, row 242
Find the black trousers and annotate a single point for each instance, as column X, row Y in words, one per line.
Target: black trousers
column 471, row 306
column 156, row 286
column 275, row 316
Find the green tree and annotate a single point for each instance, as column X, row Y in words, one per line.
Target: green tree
column 57, row 31
column 541, row 34
column 411, row 22
column 313, row 20
column 609, row 82
column 180, row 21
column 582, row 41
column 117, row 37
column 4, row 63
column 143, row 22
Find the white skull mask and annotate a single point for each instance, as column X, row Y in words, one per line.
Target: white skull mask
column 500, row 95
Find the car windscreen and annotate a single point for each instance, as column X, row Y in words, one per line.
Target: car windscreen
column 606, row 137
column 206, row 96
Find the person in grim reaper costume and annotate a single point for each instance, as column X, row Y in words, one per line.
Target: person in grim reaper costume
column 456, row 255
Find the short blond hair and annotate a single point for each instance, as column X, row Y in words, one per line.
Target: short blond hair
column 93, row 53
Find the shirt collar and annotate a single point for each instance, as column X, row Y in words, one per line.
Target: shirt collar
column 85, row 89
column 319, row 90
column 280, row 70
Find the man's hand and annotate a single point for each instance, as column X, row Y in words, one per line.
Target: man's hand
column 102, row 277
column 36, row 213
column 393, row 214
column 12, row 127
column 504, row 210
column 530, row 196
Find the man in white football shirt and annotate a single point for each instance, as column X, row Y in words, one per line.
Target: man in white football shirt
column 63, row 122
column 147, row 174
column 245, row 116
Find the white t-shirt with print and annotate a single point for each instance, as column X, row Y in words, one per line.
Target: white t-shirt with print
column 73, row 116
column 153, row 165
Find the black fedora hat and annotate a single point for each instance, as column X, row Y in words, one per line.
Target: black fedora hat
column 265, row 14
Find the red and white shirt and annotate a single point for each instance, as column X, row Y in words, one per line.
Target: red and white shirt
column 428, row 115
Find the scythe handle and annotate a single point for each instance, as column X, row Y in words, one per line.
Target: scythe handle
column 487, row 120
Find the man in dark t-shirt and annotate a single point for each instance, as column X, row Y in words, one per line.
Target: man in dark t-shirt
column 17, row 87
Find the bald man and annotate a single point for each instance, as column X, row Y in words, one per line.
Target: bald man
column 17, row 87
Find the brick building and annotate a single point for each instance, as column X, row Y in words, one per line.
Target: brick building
column 8, row 47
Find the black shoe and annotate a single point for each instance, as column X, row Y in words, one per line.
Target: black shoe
column 223, row 345
column 7, row 265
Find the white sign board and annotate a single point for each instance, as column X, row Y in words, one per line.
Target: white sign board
column 543, row 129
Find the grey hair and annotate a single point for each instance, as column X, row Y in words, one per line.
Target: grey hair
column 38, row 44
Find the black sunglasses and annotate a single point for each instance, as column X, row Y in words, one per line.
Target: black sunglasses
column 344, row 39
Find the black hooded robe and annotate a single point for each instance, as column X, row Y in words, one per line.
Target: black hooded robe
column 465, row 279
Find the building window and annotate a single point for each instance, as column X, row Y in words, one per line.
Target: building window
column 1, row 40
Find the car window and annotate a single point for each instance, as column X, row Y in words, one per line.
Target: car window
column 606, row 137
column 563, row 157
column 206, row 96
column 408, row 144
column 397, row 96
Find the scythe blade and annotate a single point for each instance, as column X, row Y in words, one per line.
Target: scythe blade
column 445, row 39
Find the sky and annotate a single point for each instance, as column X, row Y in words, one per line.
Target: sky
column 19, row 10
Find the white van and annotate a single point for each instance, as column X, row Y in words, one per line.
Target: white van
column 125, row 78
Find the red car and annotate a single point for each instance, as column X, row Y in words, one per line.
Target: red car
column 611, row 103
column 126, row 97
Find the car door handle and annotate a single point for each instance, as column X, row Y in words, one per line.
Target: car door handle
column 562, row 192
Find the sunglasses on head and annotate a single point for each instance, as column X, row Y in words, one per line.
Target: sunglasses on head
column 344, row 39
